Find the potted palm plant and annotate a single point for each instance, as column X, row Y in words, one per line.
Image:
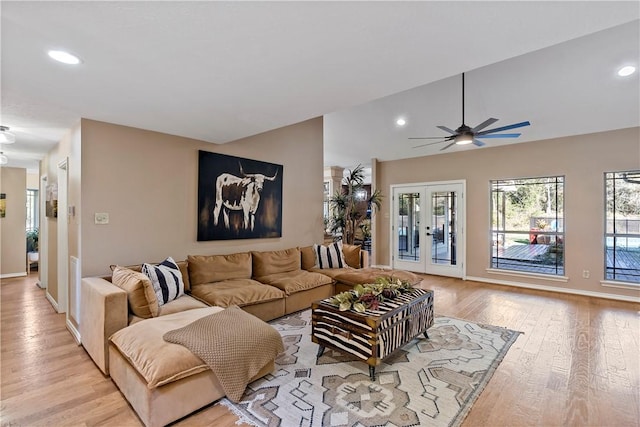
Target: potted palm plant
column 351, row 204
column 32, row 246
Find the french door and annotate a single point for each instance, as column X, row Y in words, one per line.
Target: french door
column 427, row 229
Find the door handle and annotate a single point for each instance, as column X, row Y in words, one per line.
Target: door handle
column 429, row 234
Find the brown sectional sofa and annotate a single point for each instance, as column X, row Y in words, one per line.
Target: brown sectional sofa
column 267, row 284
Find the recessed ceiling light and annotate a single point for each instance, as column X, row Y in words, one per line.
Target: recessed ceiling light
column 6, row 137
column 626, row 71
column 64, row 57
column 401, row 122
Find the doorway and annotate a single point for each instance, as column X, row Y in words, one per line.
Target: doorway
column 63, row 241
column 427, row 229
column 43, row 241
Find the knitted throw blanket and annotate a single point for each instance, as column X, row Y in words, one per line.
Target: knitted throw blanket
column 235, row 345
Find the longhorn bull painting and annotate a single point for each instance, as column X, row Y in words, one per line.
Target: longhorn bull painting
column 238, row 198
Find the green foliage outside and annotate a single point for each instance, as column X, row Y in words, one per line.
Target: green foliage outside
column 625, row 192
column 515, row 202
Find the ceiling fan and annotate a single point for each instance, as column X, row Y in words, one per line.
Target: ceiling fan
column 467, row 135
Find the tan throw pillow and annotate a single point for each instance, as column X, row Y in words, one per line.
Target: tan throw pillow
column 140, row 294
column 182, row 265
column 351, row 255
column 307, row 258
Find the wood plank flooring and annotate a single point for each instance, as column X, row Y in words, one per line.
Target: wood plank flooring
column 577, row 363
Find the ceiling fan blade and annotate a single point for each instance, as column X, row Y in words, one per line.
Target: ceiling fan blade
column 446, row 129
column 428, row 143
column 477, row 142
column 426, row 137
column 484, row 124
column 447, row 146
column 500, row 135
column 513, row 126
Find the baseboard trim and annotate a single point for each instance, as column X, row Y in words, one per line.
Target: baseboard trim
column 53, row 302
column 74, row 332
column 10, row 275
column 555, row 289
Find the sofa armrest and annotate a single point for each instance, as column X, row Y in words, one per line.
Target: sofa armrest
column 103, row 311
column 365, row 260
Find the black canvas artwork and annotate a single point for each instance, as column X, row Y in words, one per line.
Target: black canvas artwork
column 238, row 198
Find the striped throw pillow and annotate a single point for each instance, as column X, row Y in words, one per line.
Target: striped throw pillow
column 166, row 279
column 329, row 256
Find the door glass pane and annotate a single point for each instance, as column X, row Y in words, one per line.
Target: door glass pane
column 443, row 227
column 408, row 226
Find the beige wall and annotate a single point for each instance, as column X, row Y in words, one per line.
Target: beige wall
column 13, row 246
column 33, row 181
column 581, row 159
column 147, row 183
column 69, row 149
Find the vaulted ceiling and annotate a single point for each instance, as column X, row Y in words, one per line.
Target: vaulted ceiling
column 219, row 71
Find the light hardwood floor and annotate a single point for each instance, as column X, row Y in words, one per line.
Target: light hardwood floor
column 577, row 363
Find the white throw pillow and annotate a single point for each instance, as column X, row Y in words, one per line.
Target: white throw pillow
column 166, row 279
column 329, row 256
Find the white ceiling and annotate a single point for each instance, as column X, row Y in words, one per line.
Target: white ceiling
column 219, row 71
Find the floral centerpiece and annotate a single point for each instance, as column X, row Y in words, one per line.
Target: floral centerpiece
column 369, row 296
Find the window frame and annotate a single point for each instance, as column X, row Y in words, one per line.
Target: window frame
column 33, row 205
column 560, row 236
column 607, row 280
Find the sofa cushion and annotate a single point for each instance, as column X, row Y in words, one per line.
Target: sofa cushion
column 332, row 272
column 362, row 276
column 156, row 360
column 216, row 268
column 307, row 258
column 272, row 262
column 295, row 281
column 351, row 255
column 166, row 279
column 182, row 265
column 140, row 294
column 240, row 292
column 183, row 303
column 329, row 256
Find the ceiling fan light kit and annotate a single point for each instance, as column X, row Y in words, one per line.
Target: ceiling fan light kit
column 464, row 138
column 6, row 137
column 464, row 135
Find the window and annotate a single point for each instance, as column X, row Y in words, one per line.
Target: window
column 32, row 210
column 622, row 231
column 527, row 225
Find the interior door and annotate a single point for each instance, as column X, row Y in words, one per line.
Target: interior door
column 428, row 228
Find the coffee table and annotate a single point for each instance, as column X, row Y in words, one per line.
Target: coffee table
column 373, row 335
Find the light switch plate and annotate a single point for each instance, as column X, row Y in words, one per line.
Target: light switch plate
column 102, row 218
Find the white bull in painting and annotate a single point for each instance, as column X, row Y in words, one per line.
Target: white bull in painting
column 239, row 194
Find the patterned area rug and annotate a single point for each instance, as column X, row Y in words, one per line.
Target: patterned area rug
column 431, row 381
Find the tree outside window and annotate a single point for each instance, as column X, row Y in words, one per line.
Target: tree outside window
column 622, row 230
column 527, row 225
